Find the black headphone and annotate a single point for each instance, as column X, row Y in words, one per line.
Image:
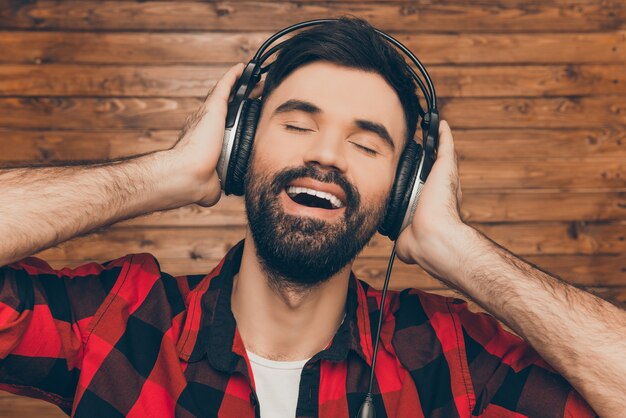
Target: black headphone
column 415, row 162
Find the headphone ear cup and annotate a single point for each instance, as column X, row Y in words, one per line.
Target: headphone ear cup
column 242, row 147
column 400, row 195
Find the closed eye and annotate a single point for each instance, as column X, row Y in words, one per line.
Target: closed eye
column 296, row 128
column 365, row 149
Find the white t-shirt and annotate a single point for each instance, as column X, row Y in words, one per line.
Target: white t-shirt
column 277, row 385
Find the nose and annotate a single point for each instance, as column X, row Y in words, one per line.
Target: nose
column 328, row 150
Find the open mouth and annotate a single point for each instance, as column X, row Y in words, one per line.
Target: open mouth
column 319, row 197
column 314, row 198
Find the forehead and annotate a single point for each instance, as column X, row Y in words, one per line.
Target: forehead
column 343, row 94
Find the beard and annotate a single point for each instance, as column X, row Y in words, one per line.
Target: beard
column 300, row 252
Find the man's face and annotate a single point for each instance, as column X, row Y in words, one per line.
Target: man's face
column 324, row 159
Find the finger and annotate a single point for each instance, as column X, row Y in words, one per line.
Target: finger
column 446, row 142
column 222, row 89
column 257, row 90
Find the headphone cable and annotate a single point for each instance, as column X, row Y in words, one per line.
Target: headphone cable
column 367, row 408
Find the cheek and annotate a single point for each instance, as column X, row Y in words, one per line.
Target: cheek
column 274, row 151
column 374, row 182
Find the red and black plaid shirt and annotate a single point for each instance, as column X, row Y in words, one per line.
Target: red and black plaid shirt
column 124, row 338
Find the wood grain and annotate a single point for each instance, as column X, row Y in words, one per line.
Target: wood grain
column 584, row 270
column 577, row 175
column 582, row 174
column 499, row 144
column 197, row 80
column 171, row 113
column 478, row 206
column 30, row 47
column 427, row 17
column 585, row 112
column 528, row 238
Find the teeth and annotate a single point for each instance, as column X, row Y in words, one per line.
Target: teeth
column 334, row 201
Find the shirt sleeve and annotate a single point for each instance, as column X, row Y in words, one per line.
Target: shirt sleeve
column 45, row 316
column 509, row 378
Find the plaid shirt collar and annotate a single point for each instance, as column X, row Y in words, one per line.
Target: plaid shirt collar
column 210, row 328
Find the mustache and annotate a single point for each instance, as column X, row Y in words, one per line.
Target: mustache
column 284, row 177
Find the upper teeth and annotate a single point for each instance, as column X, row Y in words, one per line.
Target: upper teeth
column 334, row 201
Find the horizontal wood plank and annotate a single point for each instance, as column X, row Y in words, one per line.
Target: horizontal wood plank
column 585, row 112
column 537, row 142
column 470, row 144
column 197, row 81
column 580, row 174
column 543, row 238
column 616, row 295
column 81, row 113
column 565, row 174
column 428, row 17
column 53, row 146
column 478, row 206
column 537, row 206
column 480, row 202
column 583, row 270
column 25, row 47
column 171, row 113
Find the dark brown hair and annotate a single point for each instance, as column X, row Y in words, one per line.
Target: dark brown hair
column 350, row 42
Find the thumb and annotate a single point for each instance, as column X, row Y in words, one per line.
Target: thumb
column 446, row 150
column 221, row 91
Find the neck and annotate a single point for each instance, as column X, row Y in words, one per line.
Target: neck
column 285, row 322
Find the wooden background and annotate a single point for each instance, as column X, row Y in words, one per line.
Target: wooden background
column 535, row 92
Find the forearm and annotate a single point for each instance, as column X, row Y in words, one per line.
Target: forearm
column 580, row 335
column 41, row 207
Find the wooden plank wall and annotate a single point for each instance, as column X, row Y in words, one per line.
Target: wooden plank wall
column 534, row 91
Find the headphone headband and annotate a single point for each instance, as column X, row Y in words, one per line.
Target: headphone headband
column 428, row 90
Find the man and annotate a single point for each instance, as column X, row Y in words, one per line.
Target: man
column 281, row 327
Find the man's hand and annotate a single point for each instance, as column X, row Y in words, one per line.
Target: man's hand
column 437, row 217
column 198, row 149
column 580, row 335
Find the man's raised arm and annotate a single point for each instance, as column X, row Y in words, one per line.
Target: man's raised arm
column 44, row 206
column 580, row 335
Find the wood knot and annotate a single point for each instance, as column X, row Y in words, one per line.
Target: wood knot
column 572, row 230
column 144, row 242
column 194, row 255
column 223, row 10
column 408, row 10
column 572, row 72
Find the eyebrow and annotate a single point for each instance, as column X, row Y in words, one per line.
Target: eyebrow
column 363, row 124
column 378, row 129
column 301, row 105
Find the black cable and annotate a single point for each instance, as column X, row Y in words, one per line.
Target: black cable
column 428, row 90
column 367, row 408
